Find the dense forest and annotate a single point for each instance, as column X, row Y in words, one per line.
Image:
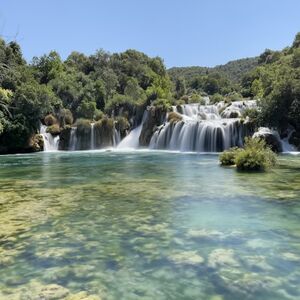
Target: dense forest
column 115, row 89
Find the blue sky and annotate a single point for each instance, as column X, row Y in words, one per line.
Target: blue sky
column 183, row 33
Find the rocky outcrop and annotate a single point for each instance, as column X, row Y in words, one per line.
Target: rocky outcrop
column 155, row 117
column 64, row 138
column 271, row 138
column 104, row 133
column 36, row 143
column 295, row 139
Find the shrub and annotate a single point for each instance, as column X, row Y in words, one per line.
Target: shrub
column 227, row 157
column 179, row 102
column 162, row 104
column 216, row 98
column 50, row 120
column 68, row 116
column 234, row 97
column 255, row 156
column 252, row 113
column 174, row 117
column 53, row 129
column 122, row 123
column 185, row 98
column 98, row 115
column 83, row 125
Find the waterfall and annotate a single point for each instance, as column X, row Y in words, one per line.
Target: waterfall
column 50, row 142
column 92, row 136
column 202, row 128
column 132, row 139
column 73, row 139
column 286, row 146
column 117, row 138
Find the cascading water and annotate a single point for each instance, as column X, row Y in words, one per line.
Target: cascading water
column 132, row 139
column 50, row 142
column 117, row 138
column 73, row 139
column 92, row 136
column 202, row 129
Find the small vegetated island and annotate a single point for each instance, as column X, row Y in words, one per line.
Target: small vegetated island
column 110, row 225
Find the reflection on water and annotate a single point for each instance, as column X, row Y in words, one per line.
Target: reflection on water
column 147, row 225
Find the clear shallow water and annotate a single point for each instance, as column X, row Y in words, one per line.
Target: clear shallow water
column 147, row 225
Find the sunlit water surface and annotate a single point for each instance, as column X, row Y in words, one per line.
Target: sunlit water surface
column 147, row 225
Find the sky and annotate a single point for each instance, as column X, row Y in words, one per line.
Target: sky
column 182, row 32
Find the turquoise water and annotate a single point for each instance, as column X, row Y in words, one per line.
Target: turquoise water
column 147, row 225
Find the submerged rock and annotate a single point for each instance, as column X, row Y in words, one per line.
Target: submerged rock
column 257, row 262
column 83, row 296
column 291, row 257
column 222, row 257
column 186, row 257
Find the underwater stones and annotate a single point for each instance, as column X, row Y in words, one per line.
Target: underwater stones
column 153, row 229
column 259, row 244
column 57, row 253
column 186, row 257
column 52, row 292
column 251, row 283
column 222, row 257
column 83, row 296
column 205, row 234
column 291, row 256
column 257, row 262
column 215, row 235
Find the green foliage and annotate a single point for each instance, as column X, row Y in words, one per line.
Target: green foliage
column 121, row 124
column 276, row 81
column 162, row 104
column 48, row 66
column 87, row 109
column 252, row 114
column 216, row 98
column 255, row 156
column 227, row 157
column 83, row 125
column 233, row 70
column 67, row 116
column 98, row 115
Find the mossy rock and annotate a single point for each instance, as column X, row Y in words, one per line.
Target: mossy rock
column 50, row 120
column 156, row 116
column 64, row 138
column 36, row 143
column 174, row 117
column 122, row 125
column 54, row 129
column 104, row 132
